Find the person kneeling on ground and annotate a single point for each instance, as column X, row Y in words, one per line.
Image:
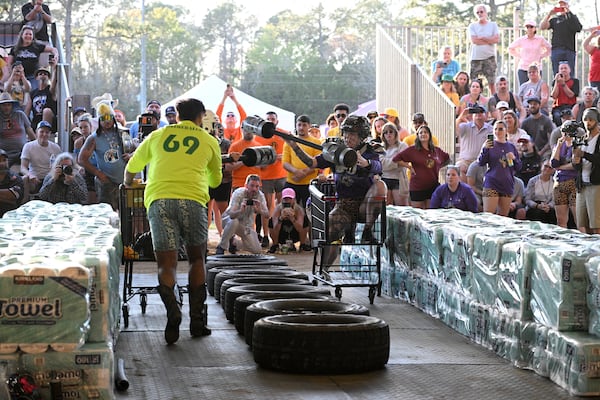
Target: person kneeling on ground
column 288, row 223
column 238, row 218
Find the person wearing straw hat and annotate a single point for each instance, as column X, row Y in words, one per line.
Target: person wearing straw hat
column 15, row 131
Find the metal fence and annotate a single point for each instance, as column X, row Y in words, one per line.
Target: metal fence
column 406, row 86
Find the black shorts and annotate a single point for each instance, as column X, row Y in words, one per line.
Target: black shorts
column 221, row 192
column 392, row 184
column 422, row 195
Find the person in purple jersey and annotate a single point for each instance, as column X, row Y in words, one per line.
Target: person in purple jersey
column 454, row 193
column 502, row 160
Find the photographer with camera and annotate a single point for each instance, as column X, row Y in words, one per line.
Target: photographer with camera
column 288, row 224
column 64, row 183
column 565, row 189
column 148, row 122
column 565, row 90
column 444, row 65
column 238, row 218
column 586, row 160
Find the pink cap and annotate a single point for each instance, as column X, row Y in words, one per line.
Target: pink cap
column 288, row 193
column 531, row 23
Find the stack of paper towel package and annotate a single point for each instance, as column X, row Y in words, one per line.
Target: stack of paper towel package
column 59, row 296
column 526, row 290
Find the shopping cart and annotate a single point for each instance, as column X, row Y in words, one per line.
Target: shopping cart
column 355, row 264
column 137, row 246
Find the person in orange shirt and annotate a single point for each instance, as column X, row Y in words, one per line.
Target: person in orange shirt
column 232, row 128
column 273, row 178
column 239, row 170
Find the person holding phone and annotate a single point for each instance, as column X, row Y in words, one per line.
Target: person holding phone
column 288, row 224
column 238, row 218
column 502, row 160
column 564, row 25
column 471, row 137
column 444, row 65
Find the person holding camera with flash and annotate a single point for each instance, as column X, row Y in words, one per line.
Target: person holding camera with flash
column 64, row 183
column 238, row 218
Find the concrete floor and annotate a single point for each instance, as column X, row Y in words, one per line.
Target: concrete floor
column 428, row 360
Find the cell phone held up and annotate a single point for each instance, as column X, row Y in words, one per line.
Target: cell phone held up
column 441, row 64
column 249, row 202
column 490, row 137
column 558, row 9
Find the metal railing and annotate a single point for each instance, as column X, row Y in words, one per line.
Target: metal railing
column 63, row 94
column 403, row 84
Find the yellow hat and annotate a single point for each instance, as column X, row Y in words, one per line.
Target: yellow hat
column 105, row 111
column 391, row 111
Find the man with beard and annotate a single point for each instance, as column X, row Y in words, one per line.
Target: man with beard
column 586, row 160
column 15, row 131
column 11, row 186
column 539, row 127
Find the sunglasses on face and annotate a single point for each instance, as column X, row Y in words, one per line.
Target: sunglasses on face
column 230, row 115
column 341, row 115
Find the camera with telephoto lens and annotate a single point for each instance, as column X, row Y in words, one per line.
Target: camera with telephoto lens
column 575, row 130
column 145, row 125
column 335, row 151
column 67, row 170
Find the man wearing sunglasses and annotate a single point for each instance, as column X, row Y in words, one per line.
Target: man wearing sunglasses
column 232, row 126
column 340, row 112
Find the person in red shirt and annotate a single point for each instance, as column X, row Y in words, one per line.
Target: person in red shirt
column 565, row 90
column 594, row 51
column 232, row 126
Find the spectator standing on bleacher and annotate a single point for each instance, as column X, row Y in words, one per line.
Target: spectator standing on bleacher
column 107, row 145
column 232, row 126
column 444, row 65
column 471, row 136
column 591, row 44
column 43, row 99
column 15, row 131
column 19, row 87
column 564, row 25
column 589, row 99
column 85, row 126
column 28, row 50
column 37, row 14
column 539, row 127
column 528, row 49
column 504, row 94
column 341, row 112
column 483, row 35
column 565, row 90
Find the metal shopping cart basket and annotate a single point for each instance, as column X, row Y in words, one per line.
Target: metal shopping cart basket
column 345, row 259
column 137, row 246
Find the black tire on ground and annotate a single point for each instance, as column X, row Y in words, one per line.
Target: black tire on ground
column 321, row 343
column 240, row 257
column 242, row 302
column 260, row 279
column 276, row 261
column 238, row 273
column 265, row 308
column 213, row 271
column 236, row 291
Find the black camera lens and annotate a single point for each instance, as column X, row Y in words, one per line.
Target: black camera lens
column 67, row 170
column 249, row 202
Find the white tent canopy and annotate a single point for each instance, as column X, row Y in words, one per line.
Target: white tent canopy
column 210, row 92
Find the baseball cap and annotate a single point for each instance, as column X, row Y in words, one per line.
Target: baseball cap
column 566, row 111
column 3, row 153
column 44, row 124
column 531, row 23
column 153, row 102
column 288, row 193
column 79, row 109
column 524, row 138
column 447, row 78
column 502, row 104
column 45, row 69
column 534, row 98
column 391, row 111
column 75, row 131
column 170, row 111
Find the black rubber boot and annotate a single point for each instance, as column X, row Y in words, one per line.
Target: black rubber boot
column 173, row 307
column 198, row 312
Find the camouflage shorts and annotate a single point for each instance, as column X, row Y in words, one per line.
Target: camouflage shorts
column 172, row 219
column 485, row 67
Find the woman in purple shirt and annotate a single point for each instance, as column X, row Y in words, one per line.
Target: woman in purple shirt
column 502, row 160
column 454, row 193
column 565, row 190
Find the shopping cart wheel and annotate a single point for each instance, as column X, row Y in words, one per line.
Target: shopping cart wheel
column 338, row 292
column 372, row 291
column 315, row 282
column 125, row 311
column 143, row 302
